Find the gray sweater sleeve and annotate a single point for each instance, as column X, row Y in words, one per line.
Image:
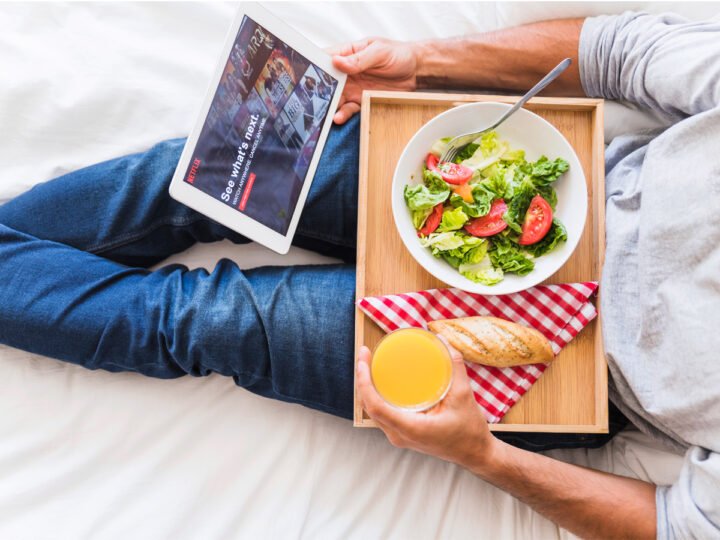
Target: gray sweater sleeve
column 690, row 508
column 660, row 62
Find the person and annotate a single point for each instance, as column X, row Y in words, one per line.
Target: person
column 76, row 251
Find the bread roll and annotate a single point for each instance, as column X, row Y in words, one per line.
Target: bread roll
column 494, row 342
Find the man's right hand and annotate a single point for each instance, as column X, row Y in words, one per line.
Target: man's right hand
column 373, row 63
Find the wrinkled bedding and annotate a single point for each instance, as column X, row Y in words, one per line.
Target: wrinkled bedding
column 97, row 455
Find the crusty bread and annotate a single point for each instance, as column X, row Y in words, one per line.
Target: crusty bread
column 494, row 342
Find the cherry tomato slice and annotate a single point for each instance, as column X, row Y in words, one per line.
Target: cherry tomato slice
column 538, row 220
column 490, row 224
column 431, row 162
column 454, row 173
column 433, row 221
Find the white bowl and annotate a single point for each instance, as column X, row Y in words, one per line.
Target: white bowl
column 524, row 130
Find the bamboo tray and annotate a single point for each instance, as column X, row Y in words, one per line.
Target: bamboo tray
column 571, row 396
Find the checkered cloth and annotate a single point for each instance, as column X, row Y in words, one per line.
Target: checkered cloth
column 559, row 312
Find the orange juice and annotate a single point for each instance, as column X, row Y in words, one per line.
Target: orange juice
column 411, row 369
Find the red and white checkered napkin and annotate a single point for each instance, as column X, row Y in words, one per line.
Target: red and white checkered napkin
column 559, row 312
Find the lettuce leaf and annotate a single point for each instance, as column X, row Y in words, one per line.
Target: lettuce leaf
column 508, row 257
column 477, row 267
column 450, row 259
column 477, row 253
column 483, row 272
column 434, row 181
column 514, row 156
column 452, row 243
column 420, row 216
column 548, row 193
column 466, row 152
column 518, row 205
column 496, row 185
column 488, row 143
column 492, row 170
column 470, row 243
column 480, row 206
column 469, row 255
column 419, row 197
column 452, row 220
column 444, row 241
column 545, row 172
column 555, row 235
column 489, row 151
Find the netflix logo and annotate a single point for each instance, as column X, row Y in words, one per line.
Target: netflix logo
column 193, row 171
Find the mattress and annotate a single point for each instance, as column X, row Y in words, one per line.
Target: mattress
column 97, row 455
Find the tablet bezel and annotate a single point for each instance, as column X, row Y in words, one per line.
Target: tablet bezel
column 216, row 210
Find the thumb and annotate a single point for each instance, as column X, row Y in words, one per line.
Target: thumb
column 362, row 60
column 455, row 355
column 460, row 379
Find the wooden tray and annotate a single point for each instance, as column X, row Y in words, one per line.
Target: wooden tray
column 571, row 396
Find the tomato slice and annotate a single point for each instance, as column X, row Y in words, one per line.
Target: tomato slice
column 433, row 221
column 454, row 173
column 465, row 191
column 490, row 224
column 538, row 220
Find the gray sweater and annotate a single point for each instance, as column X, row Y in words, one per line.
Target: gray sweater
column 661, row 279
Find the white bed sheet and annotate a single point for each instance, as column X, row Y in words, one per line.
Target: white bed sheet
column 97, row 455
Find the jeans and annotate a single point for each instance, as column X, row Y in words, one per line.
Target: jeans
column 75, row 253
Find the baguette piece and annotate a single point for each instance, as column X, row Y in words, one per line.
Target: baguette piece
column 494, row 342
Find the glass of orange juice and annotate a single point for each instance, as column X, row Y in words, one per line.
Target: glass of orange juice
column 411, row 369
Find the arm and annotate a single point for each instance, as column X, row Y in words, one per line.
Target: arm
column 588, row 503
column 578, row 499
column 513, row 59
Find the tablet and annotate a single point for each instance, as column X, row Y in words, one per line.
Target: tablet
column 250, row 159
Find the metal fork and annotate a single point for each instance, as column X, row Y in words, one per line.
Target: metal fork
column 461, row 141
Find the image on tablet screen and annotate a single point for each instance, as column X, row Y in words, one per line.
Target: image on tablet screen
column 262, row 129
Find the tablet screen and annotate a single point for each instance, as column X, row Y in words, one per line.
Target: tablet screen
column 262, row 128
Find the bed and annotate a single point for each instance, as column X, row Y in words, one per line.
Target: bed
column 97, row 455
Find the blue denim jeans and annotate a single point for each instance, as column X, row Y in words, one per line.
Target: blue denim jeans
column 75, row 253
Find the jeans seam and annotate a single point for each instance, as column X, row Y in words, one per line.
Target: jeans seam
column 129, row 238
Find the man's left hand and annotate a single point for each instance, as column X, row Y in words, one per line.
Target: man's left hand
column 373, row 63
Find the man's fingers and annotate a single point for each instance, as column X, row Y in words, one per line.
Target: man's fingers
column 345, row 49
column 375, row 406
column 460, row 380
column 335, row 49
column 342, row 100
column 392, row 436
column 361, row 60
column 455, row 355
column 345, row 112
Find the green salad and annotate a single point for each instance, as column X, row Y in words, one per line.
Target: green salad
column 490, row 212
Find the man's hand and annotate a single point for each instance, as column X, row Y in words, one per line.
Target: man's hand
column 454, row 430
column 373, row 63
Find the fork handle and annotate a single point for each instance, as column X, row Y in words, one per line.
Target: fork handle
column 547, row 79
